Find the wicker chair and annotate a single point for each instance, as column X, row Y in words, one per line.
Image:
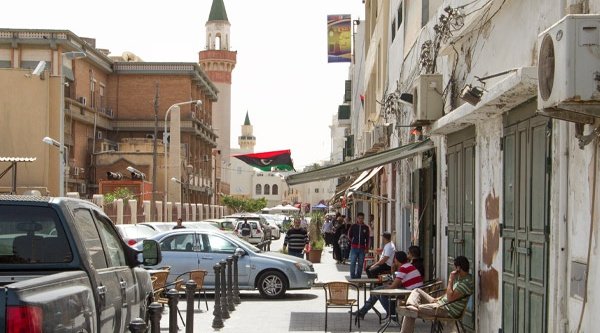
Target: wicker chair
column 437, row 321
column 197, row 276
column 337, row 295
column 160, row 294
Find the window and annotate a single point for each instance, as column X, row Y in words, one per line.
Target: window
column 181, row 242
column 275, row 189
column 393, row 30
column 267, row 189
column 400, row 15
column 112, row 242
column 220, row 245
column 316, row 190
column 258, row 189
column 87, row 229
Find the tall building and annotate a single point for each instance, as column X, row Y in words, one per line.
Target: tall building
column 240, row 172
column 218, row 62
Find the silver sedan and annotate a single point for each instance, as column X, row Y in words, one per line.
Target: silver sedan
column 272, row 273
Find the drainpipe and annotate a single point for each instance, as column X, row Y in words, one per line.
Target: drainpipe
column 562, row 230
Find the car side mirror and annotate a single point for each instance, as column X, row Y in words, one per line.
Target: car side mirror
column 240, row 252
column 151, row 253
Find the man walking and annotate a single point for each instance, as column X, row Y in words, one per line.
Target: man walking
column 245, row 230
column 387, row 257
column 359, row 244
column 296, row 239
column 179, row 224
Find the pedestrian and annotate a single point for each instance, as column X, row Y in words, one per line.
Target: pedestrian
column 384, row 264
column 179, row 224
column 344, row 243
column 328, row 231
column 245, row 230
column 371, row 225
column 359, row 243
column 338, row 230
column 407, row 277
column 460, row 285
column 296, row 239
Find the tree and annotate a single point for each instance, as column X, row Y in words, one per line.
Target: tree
column 243, row 204
column 119, row 193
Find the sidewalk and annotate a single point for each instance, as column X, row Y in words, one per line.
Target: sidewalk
column 299, row 311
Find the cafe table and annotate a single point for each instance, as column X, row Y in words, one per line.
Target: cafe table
column 363, row 282
column 398, row 295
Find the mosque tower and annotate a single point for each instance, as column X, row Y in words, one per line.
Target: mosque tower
column 247, row 140
column 218, row 62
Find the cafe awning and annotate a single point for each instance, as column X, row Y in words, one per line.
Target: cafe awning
column 360, row 164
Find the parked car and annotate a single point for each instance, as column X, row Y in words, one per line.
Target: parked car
column 166, row 226
column 272, row 273
column 272, row 222
column 222, row 224
column 133, row 233
column 63, row 267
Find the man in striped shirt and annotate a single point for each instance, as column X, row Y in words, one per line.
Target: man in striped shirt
column 296, row 239
column 407, row 277
column 451, row 305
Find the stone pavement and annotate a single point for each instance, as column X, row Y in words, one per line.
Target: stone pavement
column 298, row 311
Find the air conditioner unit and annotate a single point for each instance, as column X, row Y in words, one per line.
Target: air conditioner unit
column 428, row 104
column 82, row 188
column 99, row 135
column 368, row 140
column 82, row 100
column 569, row 69
column 75, row 171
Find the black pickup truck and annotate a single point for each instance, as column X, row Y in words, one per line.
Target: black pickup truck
column 64, row 268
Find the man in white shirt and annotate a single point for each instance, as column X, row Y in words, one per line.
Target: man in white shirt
column 384, row 265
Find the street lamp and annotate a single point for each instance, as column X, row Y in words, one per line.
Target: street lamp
column 136, row 173
column 165, row 143
column 64, row 151
column 69, row 55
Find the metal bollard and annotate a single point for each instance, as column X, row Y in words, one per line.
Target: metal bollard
column 236, row 288
column 137, row 325
column 190, row 290
column 217, row 321
column 155, row 312
column 173, row 297
column 230, row 305
column 224, row 306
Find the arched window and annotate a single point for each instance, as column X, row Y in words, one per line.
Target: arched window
column 275, row 189
column 258, row 189
column 267, row 189
column 217, row 41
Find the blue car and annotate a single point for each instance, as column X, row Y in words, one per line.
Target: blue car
column 272, row 273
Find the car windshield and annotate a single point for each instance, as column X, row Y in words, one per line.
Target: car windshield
column 139, row 230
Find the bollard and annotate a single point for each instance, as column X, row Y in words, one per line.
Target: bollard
column 217, row 321
column 230, row 305
column 236, row 287
column 190, row 290
column 155, row 312
column 224, row 306
column 137, row 326
column 173, row 298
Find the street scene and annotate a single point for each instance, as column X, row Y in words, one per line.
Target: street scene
column 297, row 166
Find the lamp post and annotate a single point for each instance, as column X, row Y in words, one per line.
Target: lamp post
column 61, row 139
column 186, row 187
column 64, row 152
column 165, row 143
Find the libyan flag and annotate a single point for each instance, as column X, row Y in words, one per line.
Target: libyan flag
column 271, row 160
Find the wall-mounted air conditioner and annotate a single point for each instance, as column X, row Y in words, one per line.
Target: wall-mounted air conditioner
column 379, row 134
column 82, row 100
column 428, row 104
column 99, row 135
column 367, row 140
column 569, row 69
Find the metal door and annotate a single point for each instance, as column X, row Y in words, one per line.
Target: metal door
column 526, row 146
column 461, row 203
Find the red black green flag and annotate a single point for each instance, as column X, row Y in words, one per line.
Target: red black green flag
column 267, row 161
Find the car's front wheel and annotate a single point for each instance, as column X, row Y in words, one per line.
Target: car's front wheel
column 272, row 284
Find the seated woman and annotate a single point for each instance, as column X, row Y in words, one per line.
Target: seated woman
column 407, row 277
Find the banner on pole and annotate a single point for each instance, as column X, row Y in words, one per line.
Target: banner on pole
column 339, row 38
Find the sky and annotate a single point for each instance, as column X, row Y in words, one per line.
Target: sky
column 282, row 78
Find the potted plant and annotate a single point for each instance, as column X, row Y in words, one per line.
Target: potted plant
column 316, row 240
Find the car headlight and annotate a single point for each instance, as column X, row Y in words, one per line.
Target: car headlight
column 302, row 266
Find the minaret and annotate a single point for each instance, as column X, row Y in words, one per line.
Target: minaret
column 247, row 140
column 218, row 62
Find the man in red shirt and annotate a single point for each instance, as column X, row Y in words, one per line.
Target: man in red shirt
column 407, row 277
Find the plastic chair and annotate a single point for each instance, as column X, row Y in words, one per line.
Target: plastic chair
column 197, row 276
column 337, row 295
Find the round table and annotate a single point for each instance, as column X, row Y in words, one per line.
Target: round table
column 362, row 282
column 393, row 294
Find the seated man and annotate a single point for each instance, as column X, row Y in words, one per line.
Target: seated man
column 460, row 283
column 384, row 265
column 407, row 277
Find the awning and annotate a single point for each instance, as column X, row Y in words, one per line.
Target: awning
column 360, row 182
column 360, row 164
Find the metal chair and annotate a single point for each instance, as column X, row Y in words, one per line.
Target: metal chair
column 197, row 276
column 337, row 295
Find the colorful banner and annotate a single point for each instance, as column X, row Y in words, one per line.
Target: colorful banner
column 339, row 38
